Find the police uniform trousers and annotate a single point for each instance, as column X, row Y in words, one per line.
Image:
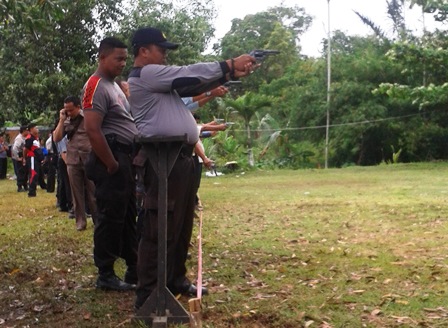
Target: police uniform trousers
column 3, row 167
column 51, row 174
column 83, row 191
column 22, row 174
column 115, row 225
column 63, row 193
column 179, row 226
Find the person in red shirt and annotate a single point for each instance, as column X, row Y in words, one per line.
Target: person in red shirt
column 34, row 157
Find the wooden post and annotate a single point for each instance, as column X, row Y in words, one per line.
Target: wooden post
column 195, row 313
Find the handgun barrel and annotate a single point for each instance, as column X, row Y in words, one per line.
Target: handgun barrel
column 271, row 52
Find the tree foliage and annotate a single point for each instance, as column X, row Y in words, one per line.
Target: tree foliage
column 438, row 8
column 254, row 31
column 30, row 13
column 188, row 23
column 388, row 94
column 278, row 28
column 44, row 64
column 246, row 106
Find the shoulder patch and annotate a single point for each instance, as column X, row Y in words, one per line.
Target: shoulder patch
column 89, row 92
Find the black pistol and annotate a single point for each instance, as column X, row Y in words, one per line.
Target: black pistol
column 261, row 54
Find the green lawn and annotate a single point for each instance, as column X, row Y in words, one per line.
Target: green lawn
column 353, row 247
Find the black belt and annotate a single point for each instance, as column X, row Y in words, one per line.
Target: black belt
column 123, row 148
column 187, row 150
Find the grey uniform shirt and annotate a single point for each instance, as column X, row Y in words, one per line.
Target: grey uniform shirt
column 106, row 98
column 19, row 143
column 156, row 102
column 62, row 146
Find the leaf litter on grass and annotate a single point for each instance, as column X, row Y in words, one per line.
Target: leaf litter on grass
column 351, row 247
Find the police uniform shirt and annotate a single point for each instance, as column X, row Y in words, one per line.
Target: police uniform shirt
column 156, row 104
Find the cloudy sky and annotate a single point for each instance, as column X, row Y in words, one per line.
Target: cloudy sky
column 342, row 17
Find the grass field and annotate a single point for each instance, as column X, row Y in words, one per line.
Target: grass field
column 353, row 247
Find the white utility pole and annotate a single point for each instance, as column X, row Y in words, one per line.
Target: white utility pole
column 327, row 130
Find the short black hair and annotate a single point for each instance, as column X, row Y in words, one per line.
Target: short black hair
column 108, row 44
column 31, row 125
column 23, row 128
column 73, row 99
column 136, row 48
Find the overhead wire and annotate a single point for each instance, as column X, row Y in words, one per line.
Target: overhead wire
column 331, row 125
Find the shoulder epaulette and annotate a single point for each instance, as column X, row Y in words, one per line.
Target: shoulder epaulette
column 91, row 85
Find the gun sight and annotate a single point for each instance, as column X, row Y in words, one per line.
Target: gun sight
column 261, row 54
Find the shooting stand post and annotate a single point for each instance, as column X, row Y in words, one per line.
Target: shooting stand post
column 161, row 308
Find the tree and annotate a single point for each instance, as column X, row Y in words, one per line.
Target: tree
column 395, row 11
column 359, row 66
column 29, row 13
column 246, row 106
column 420, row 86
column 278, row 28
column 254, row 31
column 438, row 8
column 188, row 23
column 44, row 66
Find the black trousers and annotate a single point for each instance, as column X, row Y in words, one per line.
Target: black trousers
column 22, row 174
column 51, row 173
column 63, row 193
column 197, row 176
column 3, row 167
column 181, row 196
column 15, row 165
column 115, row 227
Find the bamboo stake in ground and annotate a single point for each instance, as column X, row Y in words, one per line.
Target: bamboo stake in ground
column 195, row 303
column 195, row 313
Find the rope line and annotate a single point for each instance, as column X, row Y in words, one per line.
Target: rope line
column 199, row 280
column 332, row 125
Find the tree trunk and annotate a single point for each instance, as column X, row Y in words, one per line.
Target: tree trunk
column 250, row 154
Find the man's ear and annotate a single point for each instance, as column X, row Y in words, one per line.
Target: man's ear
column 142, row 49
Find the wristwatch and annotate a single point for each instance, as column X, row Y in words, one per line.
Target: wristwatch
column 208, row 93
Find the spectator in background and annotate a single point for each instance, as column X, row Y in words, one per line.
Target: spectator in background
column 199, row 156
column 52, row 162
column 34, row 157
column 18, row 159
column 4, row 147
column 63, row 193
column 71, row 124
column 44, row 163
column 194, row 103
